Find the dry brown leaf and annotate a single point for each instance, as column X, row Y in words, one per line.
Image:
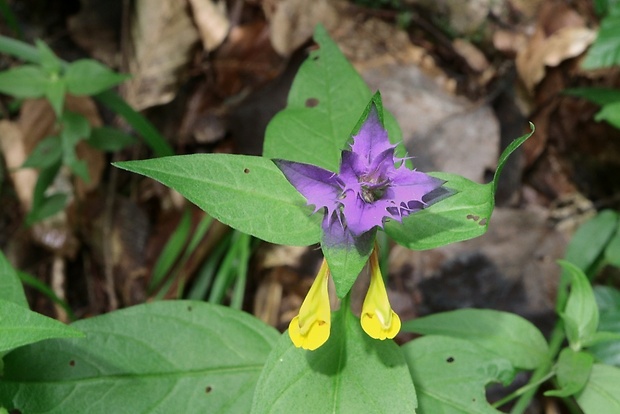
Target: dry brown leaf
column 473, row 56
column 212, row 22
column 163, row 35
column 293, row 22
column 15, row 153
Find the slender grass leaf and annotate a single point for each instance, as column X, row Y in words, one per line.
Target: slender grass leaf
column 450, row 374
column 172, row 250
column 351, row 372
column 502, row 333
column 247, row 193
column 20, row 326
column 165, row 357
column 600, row 96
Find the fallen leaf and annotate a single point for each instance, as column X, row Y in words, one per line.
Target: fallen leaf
column 163, row 35
column 15, row 153
column 212, row 22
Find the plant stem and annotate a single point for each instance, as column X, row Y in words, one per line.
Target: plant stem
column 522, row 390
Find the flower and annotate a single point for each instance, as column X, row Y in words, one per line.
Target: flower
column 310, row 329
column 368, row 188
column 378, row 319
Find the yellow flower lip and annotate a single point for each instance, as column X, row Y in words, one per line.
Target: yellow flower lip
column 310, row 329
column 378, row 319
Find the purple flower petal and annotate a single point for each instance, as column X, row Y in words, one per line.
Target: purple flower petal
column 372, row 138
column 321, row 187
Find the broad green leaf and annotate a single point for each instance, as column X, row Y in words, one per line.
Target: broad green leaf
column 450, row 374
column 247, row 193
column 26, row 81
column 600, row 394
column 109, row 139
column 89, row 77
column 346, row 262
column 47, row 153
column 590, row 240
column 462, row 216
column 350, row 373
column 164, row 357
column 501, row 333
column 581, row 313
column 324, row 106
column 11, row 288
column 600, row 96
column 20, row 326
column 609, row 113
column 608, row 300
column 605, row 51
column 572, row 372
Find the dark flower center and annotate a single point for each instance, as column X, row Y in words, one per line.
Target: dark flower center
column 370, row 194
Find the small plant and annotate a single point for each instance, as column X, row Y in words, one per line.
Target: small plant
column 333, row 172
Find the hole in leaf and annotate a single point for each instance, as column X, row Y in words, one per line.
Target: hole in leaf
column 189, row 308
column 72, row 363
column 208, row 389
column 246, row 170
column 311, row 102
column 473, row 217
column 483, row 222
column 450, row 360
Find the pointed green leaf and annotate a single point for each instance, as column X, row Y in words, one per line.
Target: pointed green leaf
column 55, row 94
column 501, row 333
column 450, row 374
column 572, row 372
column 581, row 313
column 461, row 216
column 89, row 77
column 109, row 139
column 48, row 59
column 47, row 153
column 605, row 52
column 247, row 193
column 608, row 301
column 599, row 96
column 351, row 372
column 324, row 106
column 26, row 81
column 600, row 394
column 20, row 326
column 11, row 288
column 166, row 357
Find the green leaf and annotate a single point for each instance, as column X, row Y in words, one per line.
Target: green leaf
column 605, row 51
column 462, row 216
column 247, row 193
column 55, row 94
column 600, row 394
column 501, row 333
column 612, row 250
column 608, row 300
column 20, row 326
column 164, row 357
column 324, row 106
column 600, row 96
column 109, row 139
column 172, row 250
column 609, row 113
column 26, row 81
column 47, row 207
column 351, row 372
column 75, row 128
column 581, row 313
column 450, row 374
column 591, row 239
column 48, row 59
column 47, row 153
column 346, row 262
column 573, row 369
column 11, row 288
column 89, row 77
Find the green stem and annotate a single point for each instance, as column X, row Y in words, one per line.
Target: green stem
column 555, row 344
column 522, row 390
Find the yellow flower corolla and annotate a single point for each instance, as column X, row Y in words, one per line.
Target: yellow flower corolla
column 310, row 329
column 378, row 319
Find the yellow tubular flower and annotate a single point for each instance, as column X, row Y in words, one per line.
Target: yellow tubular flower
column 310, row 329
column 378, row 319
